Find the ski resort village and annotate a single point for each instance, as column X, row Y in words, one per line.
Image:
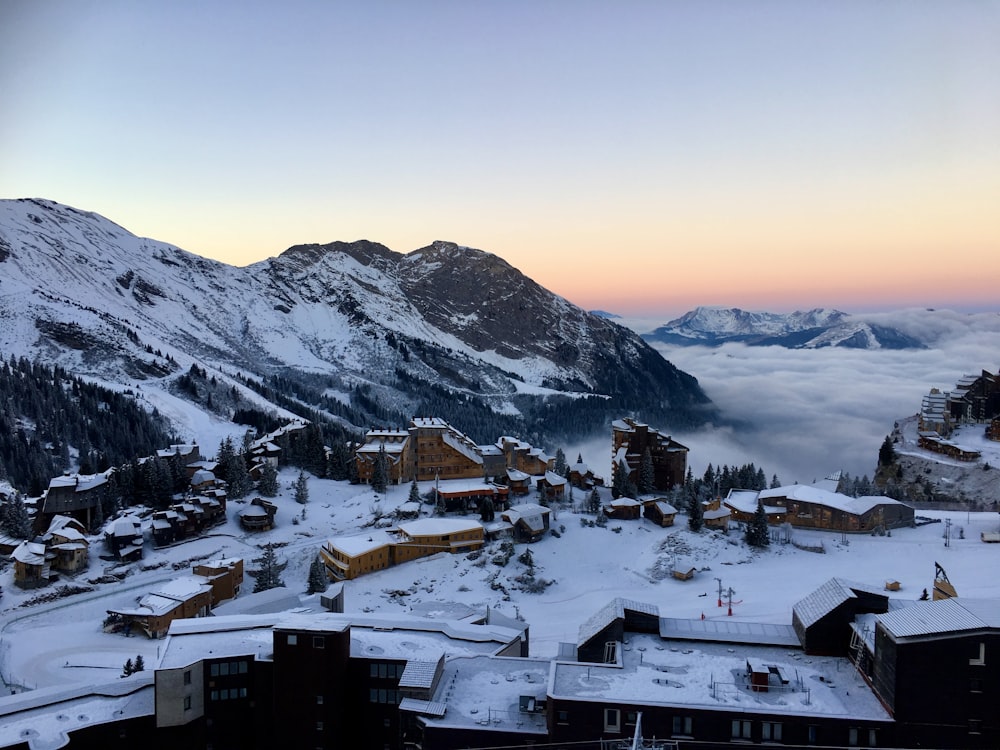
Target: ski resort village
column 457, row 595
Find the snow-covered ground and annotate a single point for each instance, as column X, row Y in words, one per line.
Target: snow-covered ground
column 61, row 642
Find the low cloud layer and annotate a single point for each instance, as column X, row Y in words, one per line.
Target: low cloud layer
column 802, row 414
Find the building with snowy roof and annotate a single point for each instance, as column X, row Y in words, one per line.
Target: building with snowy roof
column 931, row 664
column 823, row 619
column 811, row 507
column 659, row 511
column 347, row 557
column 530, row 521
column 74, row 495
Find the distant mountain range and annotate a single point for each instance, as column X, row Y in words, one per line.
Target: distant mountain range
column 352, row 332
column 811, row 329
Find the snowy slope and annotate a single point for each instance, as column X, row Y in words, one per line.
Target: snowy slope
column 78, row 290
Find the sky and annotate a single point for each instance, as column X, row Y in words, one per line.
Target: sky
column 637, row 157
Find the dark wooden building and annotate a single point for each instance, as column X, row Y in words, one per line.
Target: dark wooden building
column 631, row 439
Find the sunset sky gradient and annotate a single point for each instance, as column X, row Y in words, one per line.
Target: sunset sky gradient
column 638, row 157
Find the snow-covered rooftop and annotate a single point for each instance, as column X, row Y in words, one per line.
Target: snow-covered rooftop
column 944, row 616
column 713, row 676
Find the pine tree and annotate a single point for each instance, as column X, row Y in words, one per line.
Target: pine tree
column 619, row 482
column 414, row 493
column 758, row 534
column 775, row 482
column 140, row 665
column 301, row 489
column 486, row 511
column 15, row 520
column 268, row 572
column 647, row 477
column 318, row 581
column 887, row 453
column 696, row 515
column 560, row 463
column 127, row 668
column 594, row 501
column 268, row 483
column 380, row 471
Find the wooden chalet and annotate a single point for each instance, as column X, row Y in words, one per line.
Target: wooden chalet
column 32, row 568
column 123, row 538
column 530, row 521
column 811, row 507
column 581, row 476
column 165, row 527
column 74, row 495
column 975, row 398
column 630, row 440
column 519, row 482
column 659, row 511
column 439, row 451
column 683, row 569
column 190, row 596
column 258, row 515
column 742, row 504
column 66, row 544
column 524, row 457
column 623, row 509
column 188, row 518
column 203, row 479
column 715, row 515
column 462, row 495
column 551, row 486
column 195, row 466
column 932, row 441
column 395, row 445
column 428, row 536
column 224, row 575
column 346, row 558
column 185, row 454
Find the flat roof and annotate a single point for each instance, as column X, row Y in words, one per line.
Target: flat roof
column 713, row 676
column 484, row 693
column 728, row 631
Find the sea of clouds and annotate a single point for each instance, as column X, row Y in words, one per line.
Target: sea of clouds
column 802, row 414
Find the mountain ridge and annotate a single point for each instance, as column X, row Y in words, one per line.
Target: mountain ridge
column 80, row 291
column 802, row 329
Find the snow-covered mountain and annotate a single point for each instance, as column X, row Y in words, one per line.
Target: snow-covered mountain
column 383, row 333
column 810, row 329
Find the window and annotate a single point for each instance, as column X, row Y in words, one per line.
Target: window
column 812, row 734
column 976, row 685
column 975, row 726
column 187, row 677
column 224, row 669
column 852, row 736
column 293, row 639
column 741, row 729
column 319, row 641
column 187, row 702
column 771, row 731
column 612, row 720
column 683, row 725
column 562, row 717
column 213, row 670
column 319, row 700
column 214, row 695
column 319, row 726
column 630, row 718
